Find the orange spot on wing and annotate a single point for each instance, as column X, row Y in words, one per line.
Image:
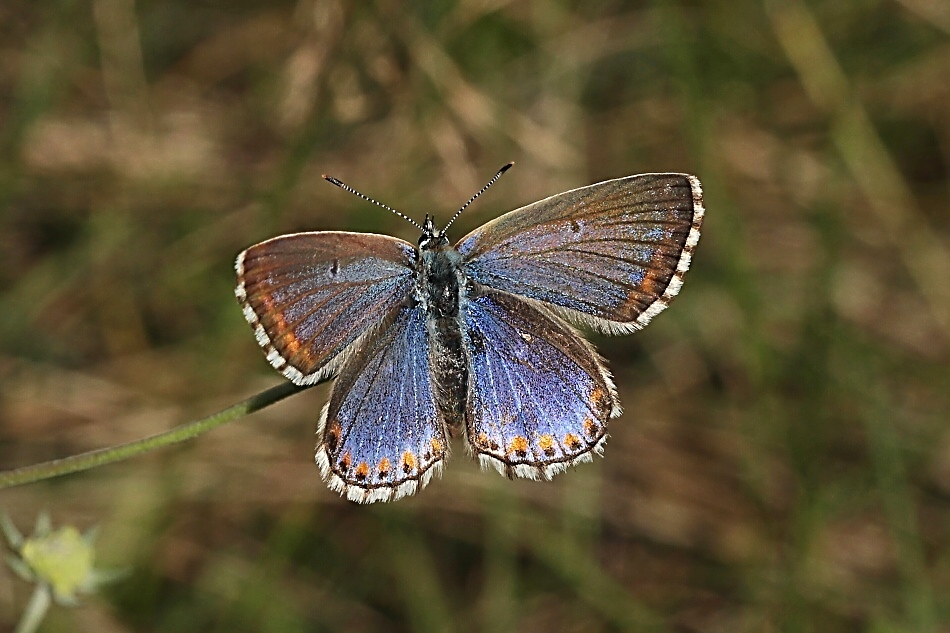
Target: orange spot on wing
column 273, row 320
column 436, row 446
column 279, row 331
column 600, row 399
column 384, row 467
column 289, row 345
column 362, row 471
column 656, row 279
column 333, row 435
column 648, row 285
column 408, row 462
column 546, row 442
column 292, row 345
column 345, row 461
column 518, row 446
column 591, row 428
column 573, row 441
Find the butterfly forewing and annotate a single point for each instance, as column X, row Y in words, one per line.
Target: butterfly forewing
column 539, row 397
column 612, row 255
column 310, row 295
column 381, row 436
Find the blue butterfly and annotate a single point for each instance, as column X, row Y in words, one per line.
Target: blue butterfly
column 472, row 339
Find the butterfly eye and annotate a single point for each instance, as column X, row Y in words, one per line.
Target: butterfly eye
column 429, row 242
column 431, row 237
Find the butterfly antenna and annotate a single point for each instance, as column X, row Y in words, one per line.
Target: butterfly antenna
column 346, row 187
column 480, row 192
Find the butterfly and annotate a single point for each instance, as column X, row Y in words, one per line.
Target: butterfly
column 433, row 341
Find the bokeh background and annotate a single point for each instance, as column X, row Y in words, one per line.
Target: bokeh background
column 784, row 460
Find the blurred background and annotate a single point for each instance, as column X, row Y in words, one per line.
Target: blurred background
column 784, row 460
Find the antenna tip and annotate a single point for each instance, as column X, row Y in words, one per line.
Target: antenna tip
column 508, row 166
column 332, row 180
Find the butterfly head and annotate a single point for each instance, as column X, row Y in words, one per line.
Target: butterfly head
column 431, row 237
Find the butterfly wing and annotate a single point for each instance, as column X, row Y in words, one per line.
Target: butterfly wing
column 308, row 296
column 539, row 397
column 611, row 255
column 381, row 436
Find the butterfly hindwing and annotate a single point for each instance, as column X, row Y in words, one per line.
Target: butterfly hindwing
column 381, row 436
column 611, row 255
column 539, row 397
column 310, row 295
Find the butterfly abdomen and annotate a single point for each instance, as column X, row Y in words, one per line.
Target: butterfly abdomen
column 439, row 289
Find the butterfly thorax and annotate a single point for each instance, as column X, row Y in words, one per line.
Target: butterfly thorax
column 440, row 288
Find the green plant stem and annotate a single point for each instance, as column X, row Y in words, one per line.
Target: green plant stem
column 102, row 456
